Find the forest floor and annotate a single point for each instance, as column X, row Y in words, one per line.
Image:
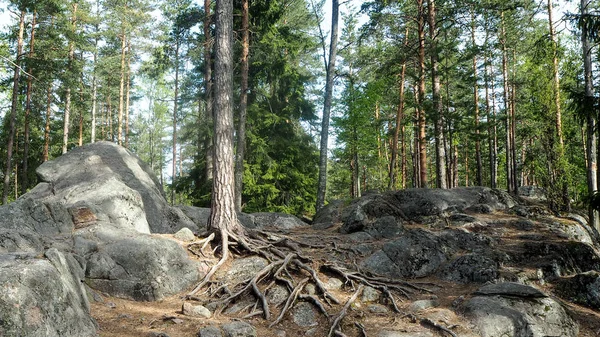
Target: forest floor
column 119, row 318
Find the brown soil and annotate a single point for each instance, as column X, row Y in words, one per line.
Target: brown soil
column 121, row 318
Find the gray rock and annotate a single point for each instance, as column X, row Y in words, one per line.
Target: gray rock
column 470, row 268
column 136, row 266
column 30, row 215
column 377, row 309
column 112, row 182
column 386, row 227
column 370, row 294
column 43, row 297
column 360, row 237
column 304, row 315
column 277, row 294
column 328, row 215
column 184, row 234
column 277, row 220
column 415, row 254
column 421, row 305
column 461, row 218
column 243, row 269
column 496, row 316
column 334, row 284
column 12, row 241
column 239, row 329
column 280, row 333
column 582, row 288
column 210, row 331
column 310, row 289
column 480, row 209
column 510, row 289
column 532, row 192
column 195, row 310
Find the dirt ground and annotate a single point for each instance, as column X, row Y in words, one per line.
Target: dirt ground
column 121, row 318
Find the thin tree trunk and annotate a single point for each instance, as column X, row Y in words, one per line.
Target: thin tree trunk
column 592, row 180
column 127, row 93
column 122, row 89
column 421, row 95
column 175, row 105
column 47, row 125
column 558, row 117
column 440, row 152
column 68, row 94
column 24, row 176
column 241, row 141
column 513, row 122
column 330, row 74
column 399, row 127
column 509, row 172
column 94, row 83
column 479, row 170
column 13, row 109
column 491, row 129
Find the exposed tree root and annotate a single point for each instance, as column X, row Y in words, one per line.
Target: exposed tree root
column 342, row 313
column 428, row 322
column 363, row 331
column 287, row 266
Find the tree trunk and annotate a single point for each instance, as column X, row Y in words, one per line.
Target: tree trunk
column 558, row 117
column 591, row 153
column 330, row 74
column 491, row 121
column 208, row 89
column 47, row 126
column 175, row 106
column 13, row 109
column 397, row 129
column 223, row 218
column 440, row 152
column 421, row 96
column 94, row 83
column 24, row 176
column 122, row 89
column 509, row 172
column 127, row 93
column 241, row 141
column 513, row 122
column 68, row 94
column 479, row 170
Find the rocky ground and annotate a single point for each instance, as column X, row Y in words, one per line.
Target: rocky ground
column 95, row 249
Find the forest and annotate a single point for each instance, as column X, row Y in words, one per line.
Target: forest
column 332, row 99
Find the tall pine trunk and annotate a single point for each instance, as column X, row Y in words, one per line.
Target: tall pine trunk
column 479, row 169
column 591, row 148
column 121, row 88
column 25, row 175
column 70, row 68
column 13, row 109
column 208, row 85
column 438, row 106
column 421, row 120
column 330, row 74
column 175, row 106
column 507, row 107
column 491, row 117
column 127, row 92
column 241, row 141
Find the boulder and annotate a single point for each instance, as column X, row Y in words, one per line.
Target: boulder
column 510, row 310
column 43, row 297
column 113, row 184
column 239, row 329
column 277, row 220
column 582, row 288
column 132, row 265
column 304, row 315
column 469, row 268
column 415, row 254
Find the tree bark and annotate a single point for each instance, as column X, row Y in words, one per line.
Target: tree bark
column 121, row 88
column 479, row 170
column 223, row 218
column 208, row 89
column 68, row 93
column 330, row 74
column 507, row 107
column 241, row 140
column 127, row 92
column 175, row 106
column 440, row 150
column 47, row 126
column 24, row 175
column 591, row 154
column 421, row 95
column 491, row 117
column 556, row 83
column 13, row 109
